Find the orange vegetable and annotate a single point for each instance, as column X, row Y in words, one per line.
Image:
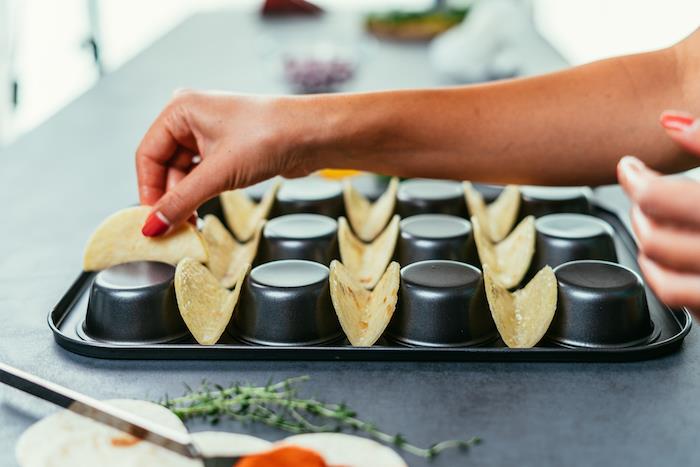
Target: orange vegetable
column 124, row 441
column 287, row 456
column 338, row 174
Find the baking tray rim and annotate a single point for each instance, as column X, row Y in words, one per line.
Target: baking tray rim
column 192, row 351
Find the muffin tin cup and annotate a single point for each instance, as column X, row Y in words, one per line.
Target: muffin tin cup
column 562, row 238
column 286, row 303
column 427, row 196
column 257, row 191
column 580, row 331
column 309, row 237
column 435, row 236
column 310, row 195
column 441, row 304
column 539, row 201
column 133, row 303
column 600, row 305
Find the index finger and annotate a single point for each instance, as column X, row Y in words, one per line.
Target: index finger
column 152, row 156
column 161, row 143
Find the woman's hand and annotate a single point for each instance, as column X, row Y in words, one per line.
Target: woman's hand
column 203, row 143
column 666, row 219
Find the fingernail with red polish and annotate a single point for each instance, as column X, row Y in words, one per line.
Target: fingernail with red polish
column 677, row 122
column 156, row 224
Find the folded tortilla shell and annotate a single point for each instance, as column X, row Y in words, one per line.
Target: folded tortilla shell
column 510, row 259
column 226, row 255
column 118, row 239
column 347, row 450
column 522, row 317
column 498, row 218
column 205, row 306
column 367, row 261
column 363, row 314
column 242, row 214
column 67, row 439
column 369, row 219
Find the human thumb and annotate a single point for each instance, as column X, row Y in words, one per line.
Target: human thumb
column 180, row 201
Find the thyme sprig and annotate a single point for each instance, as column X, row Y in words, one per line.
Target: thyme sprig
column 279, row 405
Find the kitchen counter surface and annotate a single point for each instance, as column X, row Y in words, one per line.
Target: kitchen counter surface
column 60, row 180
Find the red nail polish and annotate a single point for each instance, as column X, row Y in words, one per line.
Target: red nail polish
column 156, row 224
column 193, row 219
column 676, row 122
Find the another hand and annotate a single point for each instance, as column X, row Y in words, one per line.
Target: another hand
column 203, row 143
column 666, row 219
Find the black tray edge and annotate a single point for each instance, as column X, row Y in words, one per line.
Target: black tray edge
column 346, row 353
column 196, row 352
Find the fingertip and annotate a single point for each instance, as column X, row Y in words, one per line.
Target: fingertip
column 643, row 228
column 631, row 174
column 627, row 163
column 630, row 160
column 183, row 198
column 668, row 285
column 635, row 213
column 683, row 128
column 676, row 120
column 676, row 113
column 649, row 269
column 622, row 176
column 178, row 205
column 156, row 225
column 640, row 259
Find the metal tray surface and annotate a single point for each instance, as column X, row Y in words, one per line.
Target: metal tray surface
column 671, row 326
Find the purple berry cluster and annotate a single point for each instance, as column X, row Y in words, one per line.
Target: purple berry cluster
column 312, row 75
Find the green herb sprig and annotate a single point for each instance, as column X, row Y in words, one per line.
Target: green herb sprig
column 278, row 405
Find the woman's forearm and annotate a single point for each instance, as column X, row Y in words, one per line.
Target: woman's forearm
column 569, row 127
column 563, row 128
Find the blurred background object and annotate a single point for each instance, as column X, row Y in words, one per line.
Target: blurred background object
column 318, row 67
column 497, row 40
column 285, row 7
column 8, row 77
column 52, row 52
column 415, row 25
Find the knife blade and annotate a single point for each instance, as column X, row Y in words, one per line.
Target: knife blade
column 101, row 412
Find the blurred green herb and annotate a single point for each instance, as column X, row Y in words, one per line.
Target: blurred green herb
column 278, row 405
column 451, row 15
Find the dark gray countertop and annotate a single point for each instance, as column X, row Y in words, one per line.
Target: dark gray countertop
column 63, row 178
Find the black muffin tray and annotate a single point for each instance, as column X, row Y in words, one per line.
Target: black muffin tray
column 670, row 326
